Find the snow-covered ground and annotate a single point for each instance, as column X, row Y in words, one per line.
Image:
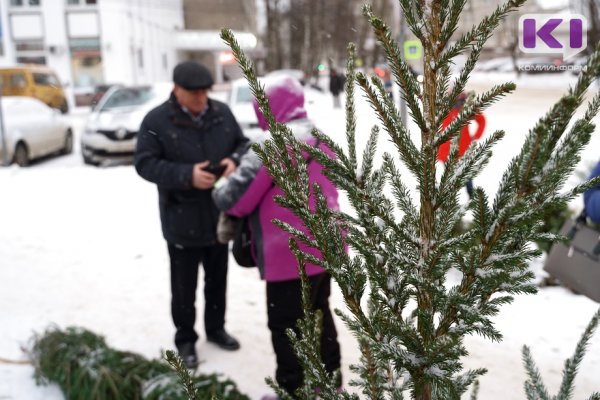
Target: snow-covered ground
column 82, row 246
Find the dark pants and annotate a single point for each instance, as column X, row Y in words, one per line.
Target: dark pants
column 184, row 280
column 284, row 308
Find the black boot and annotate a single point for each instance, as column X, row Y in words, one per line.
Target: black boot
column 223, row 339
column 187, row 352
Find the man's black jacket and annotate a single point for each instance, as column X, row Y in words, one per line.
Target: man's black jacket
column 169, row 144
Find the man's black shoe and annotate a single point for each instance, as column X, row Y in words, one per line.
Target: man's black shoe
column 187, row 352
column 223, row 339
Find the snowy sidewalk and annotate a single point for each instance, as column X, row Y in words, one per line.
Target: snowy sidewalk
column 82, row 246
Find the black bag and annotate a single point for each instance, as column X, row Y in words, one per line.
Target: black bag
column 242, row 244
column 576, row 263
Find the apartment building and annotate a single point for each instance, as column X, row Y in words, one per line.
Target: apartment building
column 200, row 41
column 88, row 42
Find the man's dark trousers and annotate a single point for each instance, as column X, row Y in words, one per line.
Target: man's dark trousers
column 184, row 281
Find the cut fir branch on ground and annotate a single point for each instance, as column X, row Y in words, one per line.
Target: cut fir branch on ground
column 85, row 367
column 409, row 320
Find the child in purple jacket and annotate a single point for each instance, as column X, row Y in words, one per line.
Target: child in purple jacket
column 250, row 191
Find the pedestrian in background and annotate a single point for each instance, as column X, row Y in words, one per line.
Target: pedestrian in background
column 387, row 83
column 250, row 191
column 336, row 86
column 183, row 146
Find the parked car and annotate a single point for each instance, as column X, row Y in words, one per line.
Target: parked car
column 240, row 102
column 110, row 132
column 99, row 91
column 498, row 64
column 34, row 81
column 294, row 73
column 33, row 130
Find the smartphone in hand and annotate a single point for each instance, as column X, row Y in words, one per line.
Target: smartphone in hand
column 216, row 169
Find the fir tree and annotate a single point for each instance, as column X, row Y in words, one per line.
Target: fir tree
column 409, row 321
column 84, row 367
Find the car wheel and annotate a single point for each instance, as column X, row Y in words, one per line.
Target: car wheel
column 21, row 156
column 68, row 148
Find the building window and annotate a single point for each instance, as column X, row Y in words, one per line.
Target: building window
column 35, row 45
column 81, row 2
column 30, row 52
column 86, row 61
column 21, row 3
column 31, row 60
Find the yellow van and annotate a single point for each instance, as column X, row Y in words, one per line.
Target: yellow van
column 34, row 81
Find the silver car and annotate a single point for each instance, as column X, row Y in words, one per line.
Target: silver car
column 110, row 133
column 32, row 130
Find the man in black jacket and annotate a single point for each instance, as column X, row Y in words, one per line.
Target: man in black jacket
column 183, row 146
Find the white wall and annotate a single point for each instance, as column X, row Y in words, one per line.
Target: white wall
column 125, row 27
column 8, row 56
column 146, row 25
column 55, row 34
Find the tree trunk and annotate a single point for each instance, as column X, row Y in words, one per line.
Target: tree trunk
column 273, row 40
column 297, row 33
column 314, row 42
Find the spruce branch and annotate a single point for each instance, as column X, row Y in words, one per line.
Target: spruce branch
column 534, row 386
column 475, row 391
column 477, row 33
column 543, row 137
column 412, row 12
column 350, row 107
column 184, row 376
column 571, row 365
column 411, row 91
column 475, row 40
column 451, row 19
column 400, row 136
column 469, row 111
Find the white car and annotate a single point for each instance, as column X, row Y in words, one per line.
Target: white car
column 240, row 103
column 110, row 133
column 294, row 73
column 33, row 130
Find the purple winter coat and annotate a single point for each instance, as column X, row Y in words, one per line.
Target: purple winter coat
column 250, row 190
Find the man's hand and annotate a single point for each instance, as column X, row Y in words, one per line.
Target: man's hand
column 202, row 179
column 229, row 166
